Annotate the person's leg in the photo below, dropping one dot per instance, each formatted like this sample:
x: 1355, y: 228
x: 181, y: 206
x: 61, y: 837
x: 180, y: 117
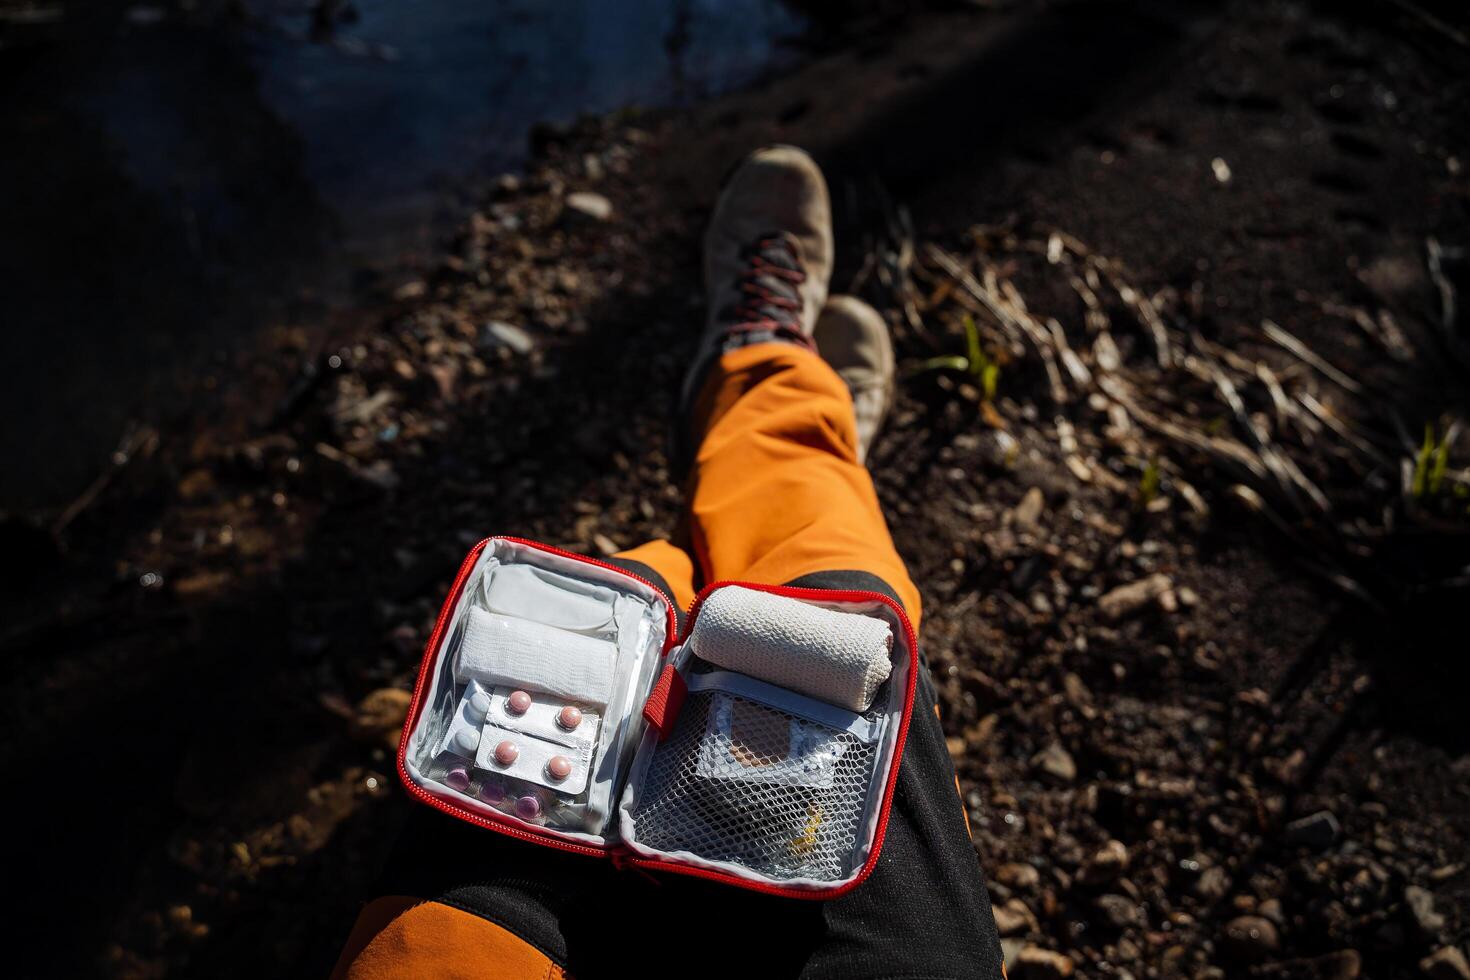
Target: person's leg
x: 664, y: 564
x: 779, y: 494
x: 777, y: 491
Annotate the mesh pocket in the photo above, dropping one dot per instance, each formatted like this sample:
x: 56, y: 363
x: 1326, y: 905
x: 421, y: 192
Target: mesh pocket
x: 747, y: 784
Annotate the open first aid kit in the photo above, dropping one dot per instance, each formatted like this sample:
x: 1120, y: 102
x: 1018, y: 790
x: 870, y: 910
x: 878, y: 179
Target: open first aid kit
x: 557, y: 703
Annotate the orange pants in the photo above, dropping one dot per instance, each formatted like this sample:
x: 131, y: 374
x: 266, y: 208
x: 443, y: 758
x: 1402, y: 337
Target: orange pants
x: 776, y: 493
x: 776, y: 490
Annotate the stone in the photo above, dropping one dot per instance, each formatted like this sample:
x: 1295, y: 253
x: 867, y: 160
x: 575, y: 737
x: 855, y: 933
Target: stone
x: 1213, y: 884
x: 1317, y: 831
x: 1345, y: 964
x: 1028, y: 511
x: 1035, y: 963
x: 379, y: 717
x: 1128, y: 599
x: 498, y: 334
x: 587, y: 206
x: 1250, y: 938
x: 1447, y: 963
x: 411, y: 290
x: 1120, y: 912
x: 1017, y: 875
x: 1056, y: 762
x: 1014, y: 917
x: 1421, y: 906
x: 1105, y: 864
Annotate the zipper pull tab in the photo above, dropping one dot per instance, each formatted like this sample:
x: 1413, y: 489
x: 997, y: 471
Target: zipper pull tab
x: 663, y: 704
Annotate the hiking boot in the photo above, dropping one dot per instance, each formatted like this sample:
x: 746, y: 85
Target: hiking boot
x: 767, y: 257
x: 853, y: 338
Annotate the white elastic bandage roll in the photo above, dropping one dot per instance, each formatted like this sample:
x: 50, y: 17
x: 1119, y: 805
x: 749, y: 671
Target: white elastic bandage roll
x: 500, y: 651
x: 838, y: 657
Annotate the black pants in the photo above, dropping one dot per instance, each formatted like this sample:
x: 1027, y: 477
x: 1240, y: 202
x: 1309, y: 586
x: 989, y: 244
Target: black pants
x: 924, y: 912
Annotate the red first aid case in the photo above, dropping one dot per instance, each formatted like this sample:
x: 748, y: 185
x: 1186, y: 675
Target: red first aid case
x: 558, y: 703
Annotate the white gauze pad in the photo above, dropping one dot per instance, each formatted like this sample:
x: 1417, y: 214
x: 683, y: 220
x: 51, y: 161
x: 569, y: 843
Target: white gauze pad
x: 500, y: 651
x: 837, y: 657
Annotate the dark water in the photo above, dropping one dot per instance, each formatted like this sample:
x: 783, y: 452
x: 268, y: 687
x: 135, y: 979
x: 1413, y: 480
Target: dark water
x: 174, y: 182
x: 413, y: 96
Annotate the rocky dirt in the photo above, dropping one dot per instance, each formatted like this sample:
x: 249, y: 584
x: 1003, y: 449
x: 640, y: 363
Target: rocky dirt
x: 1206, y: 723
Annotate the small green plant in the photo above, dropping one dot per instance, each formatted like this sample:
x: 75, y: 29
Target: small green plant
x: 1430, y: 464
x: 974, y: 362
x: 1148, y: 483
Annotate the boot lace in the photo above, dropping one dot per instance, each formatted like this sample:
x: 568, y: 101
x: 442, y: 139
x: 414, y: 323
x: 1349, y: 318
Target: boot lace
x: 768, y: 304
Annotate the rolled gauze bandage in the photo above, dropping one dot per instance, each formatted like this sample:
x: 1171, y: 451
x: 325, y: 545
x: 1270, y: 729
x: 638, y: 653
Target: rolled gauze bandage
x: 505, y: 651
x: 837, y: 657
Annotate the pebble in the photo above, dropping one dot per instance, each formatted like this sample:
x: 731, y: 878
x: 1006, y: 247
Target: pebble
x: 413, y: 289
x: 1035, y: 963
x: 1056, y: 762
x: 1128, y: 599
x: 1250, y: 938
x: 497, y: 334
x: 1105, y: 864
x: 587, y: 206
x: 1345, y: 964
x: 1421, y: 907
x: 1447, y: 963
x: 1120, y: 912
x: 1317, y: 830
x: 379, y: 716
x: 1028, y: 511
x: 1014, y: 917
x: 1022, y: 877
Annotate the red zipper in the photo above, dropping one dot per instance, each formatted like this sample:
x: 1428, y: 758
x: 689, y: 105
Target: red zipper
x: 415, y: 706
x: 823, y: 894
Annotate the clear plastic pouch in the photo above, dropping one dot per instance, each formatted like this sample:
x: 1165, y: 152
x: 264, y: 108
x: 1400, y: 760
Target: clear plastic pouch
x: 572, y: 634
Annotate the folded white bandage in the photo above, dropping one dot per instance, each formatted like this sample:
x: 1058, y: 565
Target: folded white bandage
x: 838, y: 657
x: 501, y: 651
